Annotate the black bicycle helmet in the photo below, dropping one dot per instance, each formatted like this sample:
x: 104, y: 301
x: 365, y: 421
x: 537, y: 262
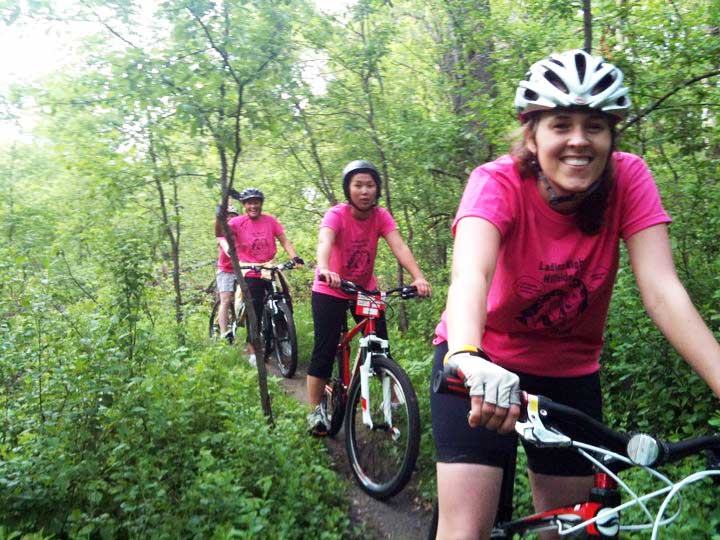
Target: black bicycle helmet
x: 360, y: 166
x: 251, y: 193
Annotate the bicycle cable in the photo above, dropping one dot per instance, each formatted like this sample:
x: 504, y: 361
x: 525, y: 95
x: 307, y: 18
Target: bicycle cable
x: 695, y: 477
x: 637, y: 500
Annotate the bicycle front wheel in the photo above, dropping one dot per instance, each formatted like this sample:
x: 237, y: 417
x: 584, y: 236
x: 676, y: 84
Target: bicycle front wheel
x: 383, y: 456
x: 284, y: 340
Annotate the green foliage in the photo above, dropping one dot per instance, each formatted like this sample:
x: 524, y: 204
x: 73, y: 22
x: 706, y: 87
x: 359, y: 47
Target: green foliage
x: 179, y: 450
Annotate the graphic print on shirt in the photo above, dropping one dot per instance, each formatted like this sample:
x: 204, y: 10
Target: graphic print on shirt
x: 559, y: 298
x: 359, y: 262
x: 259, y: 247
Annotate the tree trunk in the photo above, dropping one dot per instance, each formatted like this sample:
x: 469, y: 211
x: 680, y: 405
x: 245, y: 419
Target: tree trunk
x: 173, y: 236
x: 587, y: 26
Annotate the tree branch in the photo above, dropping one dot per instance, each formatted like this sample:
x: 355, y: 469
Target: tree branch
x: 672, y: 92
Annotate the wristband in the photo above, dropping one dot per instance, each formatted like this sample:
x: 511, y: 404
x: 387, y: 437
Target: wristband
x: 472, y: 350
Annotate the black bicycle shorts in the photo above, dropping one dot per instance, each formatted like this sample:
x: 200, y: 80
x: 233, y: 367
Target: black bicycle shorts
x: 457, y: 442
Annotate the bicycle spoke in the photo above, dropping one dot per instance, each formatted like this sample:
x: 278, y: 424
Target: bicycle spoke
x: 383, y: 455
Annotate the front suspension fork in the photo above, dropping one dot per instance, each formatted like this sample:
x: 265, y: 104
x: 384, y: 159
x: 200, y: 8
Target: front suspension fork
x: 365, y: 373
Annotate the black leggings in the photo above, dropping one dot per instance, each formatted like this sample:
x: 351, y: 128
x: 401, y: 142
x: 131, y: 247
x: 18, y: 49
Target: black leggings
x: 329, y: 312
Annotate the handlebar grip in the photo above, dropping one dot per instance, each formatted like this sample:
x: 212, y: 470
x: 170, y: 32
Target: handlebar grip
x: 409, y: 292
x: 444, y: 383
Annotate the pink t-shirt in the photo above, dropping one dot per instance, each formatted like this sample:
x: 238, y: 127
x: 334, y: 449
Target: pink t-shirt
x: 254, y: 240
x: 353, y: 253
x: 224, y: 263
x: 549, y: 297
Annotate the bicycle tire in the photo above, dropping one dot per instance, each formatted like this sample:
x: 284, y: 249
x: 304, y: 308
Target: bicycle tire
x: 214, y: 327
x: 285, y: 347
x: 334, y: 400
x: 382, y: 458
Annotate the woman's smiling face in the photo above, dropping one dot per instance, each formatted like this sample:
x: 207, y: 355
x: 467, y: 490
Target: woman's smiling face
x: 572, y: 148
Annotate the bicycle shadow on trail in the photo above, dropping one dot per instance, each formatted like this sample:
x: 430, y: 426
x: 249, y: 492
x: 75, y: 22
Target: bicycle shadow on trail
x: 398, y: 518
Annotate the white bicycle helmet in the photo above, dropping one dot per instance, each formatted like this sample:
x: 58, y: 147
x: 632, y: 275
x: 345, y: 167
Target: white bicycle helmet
x: 573, y: 79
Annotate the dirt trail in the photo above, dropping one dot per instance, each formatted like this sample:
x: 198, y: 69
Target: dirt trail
x: 400, y: 518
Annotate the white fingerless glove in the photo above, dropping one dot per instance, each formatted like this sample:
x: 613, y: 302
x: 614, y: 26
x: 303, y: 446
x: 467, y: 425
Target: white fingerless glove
x: 496, y: 385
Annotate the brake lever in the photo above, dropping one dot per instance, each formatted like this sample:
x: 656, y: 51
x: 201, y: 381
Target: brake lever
x: 534, y: 431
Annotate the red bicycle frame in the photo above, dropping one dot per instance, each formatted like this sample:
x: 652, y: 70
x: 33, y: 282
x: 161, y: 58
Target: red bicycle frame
x: 370, y: 308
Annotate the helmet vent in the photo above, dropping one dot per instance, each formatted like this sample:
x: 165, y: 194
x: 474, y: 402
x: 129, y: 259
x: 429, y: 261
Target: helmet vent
x: 530, y: 95
x: 581, y: 66
x: 555, y: 61
x: 603, y: 84
x: 556, y: 81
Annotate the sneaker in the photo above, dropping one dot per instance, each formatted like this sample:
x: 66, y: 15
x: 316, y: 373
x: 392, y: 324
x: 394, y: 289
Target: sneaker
x: 316, y: 423
x: 229, y: 336
x: 252, y: 360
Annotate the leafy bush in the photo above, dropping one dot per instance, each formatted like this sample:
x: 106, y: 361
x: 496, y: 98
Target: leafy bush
x: 180, y: 450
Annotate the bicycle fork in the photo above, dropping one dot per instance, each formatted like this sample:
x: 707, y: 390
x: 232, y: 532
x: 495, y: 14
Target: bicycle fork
x: 365, y: 372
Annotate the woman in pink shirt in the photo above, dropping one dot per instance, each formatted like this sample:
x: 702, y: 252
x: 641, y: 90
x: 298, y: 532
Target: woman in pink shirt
x: 535, y: 256
x: 347, y: 245
x: 254, y: 233
x: 225, y: 278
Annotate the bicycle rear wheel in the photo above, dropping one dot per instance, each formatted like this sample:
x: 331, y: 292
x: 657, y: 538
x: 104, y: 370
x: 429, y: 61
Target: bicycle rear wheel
x: 284, y: 340
x: 334, y: 400
x: 383, y: 457
x: 214, y: 326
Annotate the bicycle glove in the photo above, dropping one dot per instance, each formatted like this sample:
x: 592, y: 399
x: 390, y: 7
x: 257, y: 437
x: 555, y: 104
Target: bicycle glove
x: 495, y: 384
x: 298, y: 260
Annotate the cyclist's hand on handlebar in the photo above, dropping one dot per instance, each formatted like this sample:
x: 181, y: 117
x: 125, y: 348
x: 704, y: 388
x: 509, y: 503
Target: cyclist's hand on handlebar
x: 298, y: 261
x: 493, y: 417
x: 494, y: 391
x: 331, y: 278
x: 423, y: 287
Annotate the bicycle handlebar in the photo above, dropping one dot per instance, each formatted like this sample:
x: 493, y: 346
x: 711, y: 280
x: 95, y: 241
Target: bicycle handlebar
x: 544, y: 422
x: 258, y: 268
x: 348, y: 287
